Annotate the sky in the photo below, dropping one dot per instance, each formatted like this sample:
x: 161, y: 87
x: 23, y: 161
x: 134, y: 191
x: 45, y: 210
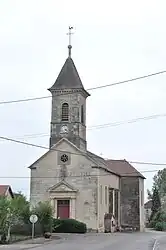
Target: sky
x: 112, y: 41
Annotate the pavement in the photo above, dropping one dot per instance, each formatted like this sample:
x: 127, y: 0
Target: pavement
x: 100, y: 241
x: 161, y: 244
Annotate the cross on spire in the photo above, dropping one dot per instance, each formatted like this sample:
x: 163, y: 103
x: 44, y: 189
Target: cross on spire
x: 69, y: 34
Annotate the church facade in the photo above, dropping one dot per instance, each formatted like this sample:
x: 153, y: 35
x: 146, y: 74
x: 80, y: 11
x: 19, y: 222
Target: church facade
x: 78, y: 183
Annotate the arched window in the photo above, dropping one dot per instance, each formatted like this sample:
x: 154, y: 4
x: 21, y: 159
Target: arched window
x: 65, y: 112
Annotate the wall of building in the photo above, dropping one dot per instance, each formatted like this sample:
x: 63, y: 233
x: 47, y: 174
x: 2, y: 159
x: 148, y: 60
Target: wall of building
x: 147, y: 214
x: 105, y: 181
x: 130, y: 201
x: 79, y: 167
x: 77, y: 130
x: 141, y: 204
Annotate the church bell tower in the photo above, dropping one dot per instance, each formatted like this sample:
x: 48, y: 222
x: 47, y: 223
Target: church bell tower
x: 68, y: 117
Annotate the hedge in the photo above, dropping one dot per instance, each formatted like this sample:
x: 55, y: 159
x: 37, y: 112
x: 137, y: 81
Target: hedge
x: 158, y: 221
x: 160, y: 226
x: 68, y: 226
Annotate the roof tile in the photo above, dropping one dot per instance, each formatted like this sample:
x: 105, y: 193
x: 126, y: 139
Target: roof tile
x: 123, y: 168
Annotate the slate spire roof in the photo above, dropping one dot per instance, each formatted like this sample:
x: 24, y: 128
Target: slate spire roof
x: 68, y: 77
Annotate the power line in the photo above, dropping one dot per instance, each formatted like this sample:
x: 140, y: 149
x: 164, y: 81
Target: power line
x: 100, y: 126
x: 64, y: 151
x: 90, y: 89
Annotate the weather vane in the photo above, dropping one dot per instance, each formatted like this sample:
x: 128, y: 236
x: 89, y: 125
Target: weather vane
x: 69, y: 34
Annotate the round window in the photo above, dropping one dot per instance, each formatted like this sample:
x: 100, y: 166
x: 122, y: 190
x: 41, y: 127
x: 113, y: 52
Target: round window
x: 64, y: 158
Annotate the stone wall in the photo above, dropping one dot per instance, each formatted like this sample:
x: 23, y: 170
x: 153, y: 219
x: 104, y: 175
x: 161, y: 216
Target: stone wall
x: 129, y: 200
x: 77, y: 130
x: 47, y: 174
x: 105, y: 181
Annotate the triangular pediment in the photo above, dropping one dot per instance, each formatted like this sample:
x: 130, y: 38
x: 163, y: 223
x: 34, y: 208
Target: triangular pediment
x: 62, y: 186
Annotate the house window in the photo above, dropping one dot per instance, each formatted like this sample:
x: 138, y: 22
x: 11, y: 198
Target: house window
x: 106, y: 195
x: 82, y: 114
x: 65, y: 112
x: 101, y: 194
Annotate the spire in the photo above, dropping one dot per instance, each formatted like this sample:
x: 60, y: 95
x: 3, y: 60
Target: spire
x: 68, y: 77
x: 69, y: 34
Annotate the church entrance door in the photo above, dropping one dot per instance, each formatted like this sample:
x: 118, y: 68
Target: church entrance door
x: 63, y: 209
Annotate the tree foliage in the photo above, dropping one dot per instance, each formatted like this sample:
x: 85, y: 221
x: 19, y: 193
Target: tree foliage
x: 20, y: 207
x: 13, y: 211
x: 4, y: 209
x: 15, y: 214
x: 156, y: 203
x: 159, y: 182
x: 44, y: 212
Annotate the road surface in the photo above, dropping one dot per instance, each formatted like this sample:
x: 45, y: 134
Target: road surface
x: 118, y: 241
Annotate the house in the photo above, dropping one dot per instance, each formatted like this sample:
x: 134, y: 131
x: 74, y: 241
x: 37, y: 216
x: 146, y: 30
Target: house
x: 78, y: 183
x: 147, y: 210
x: 6, y: 191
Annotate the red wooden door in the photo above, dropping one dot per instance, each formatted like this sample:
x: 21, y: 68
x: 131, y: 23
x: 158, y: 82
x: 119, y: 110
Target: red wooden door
x: 63, y: 209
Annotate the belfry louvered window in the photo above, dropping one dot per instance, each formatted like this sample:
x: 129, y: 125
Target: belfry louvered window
x: 65, y: 112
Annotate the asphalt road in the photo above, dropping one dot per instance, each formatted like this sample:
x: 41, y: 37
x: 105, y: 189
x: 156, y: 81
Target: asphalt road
x: 119, y: 241
x: 161, y: 244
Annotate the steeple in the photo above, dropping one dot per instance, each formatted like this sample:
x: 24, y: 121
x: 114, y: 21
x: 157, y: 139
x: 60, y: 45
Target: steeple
x: 68, y: 77
x: 68, y: 117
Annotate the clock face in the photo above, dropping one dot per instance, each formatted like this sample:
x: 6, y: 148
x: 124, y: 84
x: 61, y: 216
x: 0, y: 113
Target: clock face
x: 64, y: 129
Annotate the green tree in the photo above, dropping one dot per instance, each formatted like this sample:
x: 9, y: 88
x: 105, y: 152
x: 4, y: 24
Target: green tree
x: 156, y: 204
x: 159, y: 182
x: 149, y: 194
x: 20, y: 207
x: 44, y: 212
x: 13, y: 212
x: 4, y: 206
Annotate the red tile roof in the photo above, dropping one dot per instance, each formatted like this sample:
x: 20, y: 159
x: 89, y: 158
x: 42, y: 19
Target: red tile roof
x: 3, y: 190
x: 123, y: 168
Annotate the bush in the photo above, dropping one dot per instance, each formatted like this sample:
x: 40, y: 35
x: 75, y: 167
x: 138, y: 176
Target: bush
x: 160, y: 226
x: 151, y: 224
x: 68, y: 226
x: 158, y: 221
x: 26, y: 229
x: 2, y: 237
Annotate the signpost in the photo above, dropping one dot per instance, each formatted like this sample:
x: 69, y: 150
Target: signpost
x: 33, y: 219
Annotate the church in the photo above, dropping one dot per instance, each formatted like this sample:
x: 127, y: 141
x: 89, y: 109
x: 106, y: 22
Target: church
x: 78, y: 183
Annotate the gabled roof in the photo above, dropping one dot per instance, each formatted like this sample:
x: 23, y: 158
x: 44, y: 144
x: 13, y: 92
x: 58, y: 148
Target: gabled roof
x: 54, y: 148
x: 97, y: 160
x: 4, y: 189
x: 68, y: 77
x: 123, y: 168
x: 100, y: 163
